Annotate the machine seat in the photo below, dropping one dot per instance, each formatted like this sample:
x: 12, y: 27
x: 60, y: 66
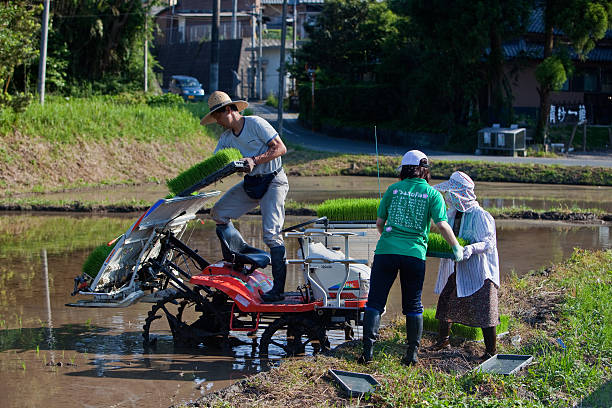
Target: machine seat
x: 237, y: 251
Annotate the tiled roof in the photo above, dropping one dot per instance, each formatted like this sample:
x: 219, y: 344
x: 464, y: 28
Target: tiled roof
x: 536, y: 51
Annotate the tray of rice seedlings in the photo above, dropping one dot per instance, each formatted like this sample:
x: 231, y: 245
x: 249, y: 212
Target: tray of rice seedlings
x: 221, y: 164
x: 95, y: 260
x: 430, y: 323
x: 362, y: 210
x: 438, y: 247
x: 349, y: 209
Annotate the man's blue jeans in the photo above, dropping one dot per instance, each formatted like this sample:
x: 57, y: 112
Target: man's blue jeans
x: 384, y: 272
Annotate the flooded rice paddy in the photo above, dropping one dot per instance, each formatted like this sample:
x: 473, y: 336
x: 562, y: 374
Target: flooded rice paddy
x: 56, y: 356
x: 318, y: 189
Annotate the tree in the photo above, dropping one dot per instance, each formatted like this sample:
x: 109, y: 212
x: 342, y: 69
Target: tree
x: 450, y: 39
x: 18, y: 44
x: 98, y: 41
x: 346, y: 42
x: 582, y: 22
x: 506, y: 20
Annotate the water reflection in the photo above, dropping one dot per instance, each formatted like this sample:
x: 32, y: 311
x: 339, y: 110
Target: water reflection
x: 101, y: 350
x: 318, y: 189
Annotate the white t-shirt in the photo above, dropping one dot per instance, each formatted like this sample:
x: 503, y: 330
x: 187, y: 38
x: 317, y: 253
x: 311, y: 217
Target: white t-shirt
x: 252, y: 141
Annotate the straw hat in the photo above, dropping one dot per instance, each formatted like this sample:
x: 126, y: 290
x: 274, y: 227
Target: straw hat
x: 216, y: 101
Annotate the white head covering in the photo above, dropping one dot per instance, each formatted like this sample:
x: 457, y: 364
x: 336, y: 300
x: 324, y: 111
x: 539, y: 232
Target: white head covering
x: 460, y: 191
x: 413, y: 158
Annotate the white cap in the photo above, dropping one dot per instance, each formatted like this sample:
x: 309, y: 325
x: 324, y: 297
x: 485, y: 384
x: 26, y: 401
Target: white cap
x: 413, y: 158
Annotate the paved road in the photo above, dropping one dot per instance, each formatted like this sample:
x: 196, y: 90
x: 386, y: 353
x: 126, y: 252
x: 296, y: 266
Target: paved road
x: 294, y: 133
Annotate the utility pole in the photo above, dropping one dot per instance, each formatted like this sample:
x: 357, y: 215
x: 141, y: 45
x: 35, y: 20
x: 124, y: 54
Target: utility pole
x: 259, y: 73
x: 214, y: 48
x: 42, y: 63
x: 234, y: 21
x: 294, y: 39
x: 281, y: 77
x: 146, y: 53
x: 252, y: 76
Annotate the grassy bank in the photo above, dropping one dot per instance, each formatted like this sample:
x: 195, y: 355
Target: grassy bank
x: 305, y: 163
x: 71, y: 143
x: 99, y: 140
x: 568, y: 301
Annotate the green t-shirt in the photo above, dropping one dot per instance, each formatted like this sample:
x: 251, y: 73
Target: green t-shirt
x: 408, y: 208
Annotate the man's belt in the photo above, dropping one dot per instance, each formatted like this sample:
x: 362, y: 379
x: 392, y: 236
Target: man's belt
x: 275, y: 172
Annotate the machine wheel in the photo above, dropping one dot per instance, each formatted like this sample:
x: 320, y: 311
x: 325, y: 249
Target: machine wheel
x: 292, y: 335
x: 188, y: 321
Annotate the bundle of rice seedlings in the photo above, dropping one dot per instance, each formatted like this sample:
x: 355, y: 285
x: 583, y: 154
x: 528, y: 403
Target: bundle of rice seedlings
x: 96, y: 259
x: 430, y: 323
x: 437, y: 245
x: 349, y: 209
x: 203, y: 169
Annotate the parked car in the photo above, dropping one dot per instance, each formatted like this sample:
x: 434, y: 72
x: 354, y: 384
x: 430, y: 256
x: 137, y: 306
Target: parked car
x: 188, y: 87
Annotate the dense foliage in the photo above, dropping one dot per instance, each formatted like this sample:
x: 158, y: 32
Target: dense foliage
x: 416, y: 63
x: 18, y: 40
x: 93, y: 47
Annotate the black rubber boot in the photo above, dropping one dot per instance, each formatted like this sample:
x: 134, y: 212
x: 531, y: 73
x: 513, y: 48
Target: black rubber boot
x: 443, y: 342
x: 414, y: 331
x: 279, y: 274
x: 490, y: 341
x: 371, y: 323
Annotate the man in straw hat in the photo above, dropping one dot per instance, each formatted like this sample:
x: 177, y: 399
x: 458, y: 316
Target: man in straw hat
x: 265, y: 184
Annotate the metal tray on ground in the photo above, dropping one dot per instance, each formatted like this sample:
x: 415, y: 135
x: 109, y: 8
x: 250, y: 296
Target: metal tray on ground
x: 505, y: 363
x: 354, y: 384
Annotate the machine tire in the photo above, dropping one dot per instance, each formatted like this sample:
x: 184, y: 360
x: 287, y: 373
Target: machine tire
x: 190, y: 321
x: 299, y: 332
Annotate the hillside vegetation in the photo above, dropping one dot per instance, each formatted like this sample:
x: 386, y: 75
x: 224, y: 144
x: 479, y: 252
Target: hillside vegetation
x: 72, y: 142
x: 133, y: 138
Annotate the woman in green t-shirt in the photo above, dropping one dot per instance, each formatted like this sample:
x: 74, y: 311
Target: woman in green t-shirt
x: 404, y: 216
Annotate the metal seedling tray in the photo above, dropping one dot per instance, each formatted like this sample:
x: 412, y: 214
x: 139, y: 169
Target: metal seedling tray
x: 505, y: 363
x: 354, y: 384
x: 438, y: 254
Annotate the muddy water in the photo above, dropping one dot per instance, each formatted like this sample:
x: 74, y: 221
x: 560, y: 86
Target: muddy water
x: 57, y: 356
x: 318, y: 189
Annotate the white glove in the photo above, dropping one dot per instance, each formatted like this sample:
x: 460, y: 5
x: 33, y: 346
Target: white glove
x: 458, y: 252
x: 467, y: 252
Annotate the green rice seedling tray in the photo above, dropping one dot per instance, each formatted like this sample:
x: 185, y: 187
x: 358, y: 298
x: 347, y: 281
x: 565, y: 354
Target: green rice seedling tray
x: 231, y: 168
x: 430, y: 323
x: 354, y: 384
x: 96, y: 259
x: 505, y: 364
x: 348, y: 209
x: 437, y: 254
x: 202, y: 170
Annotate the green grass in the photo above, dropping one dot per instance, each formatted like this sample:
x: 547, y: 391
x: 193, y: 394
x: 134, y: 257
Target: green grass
x: 430, y: 323
x: 578, y: 375
x: 103, y: 118
x: 308, y: 163
x: 197, y: 172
